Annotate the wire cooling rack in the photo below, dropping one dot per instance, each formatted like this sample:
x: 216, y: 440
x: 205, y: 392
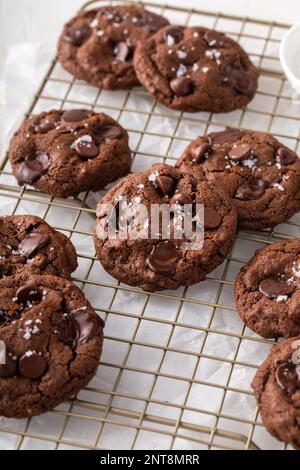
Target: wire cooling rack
x: 177, y: 366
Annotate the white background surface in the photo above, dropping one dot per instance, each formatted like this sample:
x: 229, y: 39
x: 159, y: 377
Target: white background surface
x: 29, y: 30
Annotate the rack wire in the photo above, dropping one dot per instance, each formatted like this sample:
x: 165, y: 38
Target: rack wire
x: 177, y: 366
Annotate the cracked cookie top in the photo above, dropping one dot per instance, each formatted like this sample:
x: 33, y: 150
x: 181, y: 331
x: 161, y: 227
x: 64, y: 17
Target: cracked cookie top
x: 195, y: 69
x: 51, y: 340
x: 267, y: 290
x: 277, y: 391
x: 261, y: 175
x: 66, y: 152
x: 153, y: 262
x: 98, y: 45
x: 28, y: 244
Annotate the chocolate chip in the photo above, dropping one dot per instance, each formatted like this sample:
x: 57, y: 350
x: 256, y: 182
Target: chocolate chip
x: 32, y: 243
x: 182, y: 86
x: 251, y: 190
x: 3, y: 316
x: 32, y: 365
x: 163, y: 258
x: 286, y: 156
x: 123, y: 51
x: 274, y: 286
x: 228, y: 136
x: 77, y: 36
x: 28, y: 294
x: 165, y: 184
x: 239, y: 80
x: 45, y: 126
x: 199, y: 152
x: 33, y: 168
x: 173, y: 32
x: 239, y: 152
x: 86, y: 148
x: 215, y: 39
x: 288, y: 376
x: 8, y: 369
x: 29, y: 171
x: 154, y: 23
x: 211, y: 218
x: 88, y: 326
x: 5, y: 270
x: 108, y: 133
x: 181, y: 199
x: 74, y: 115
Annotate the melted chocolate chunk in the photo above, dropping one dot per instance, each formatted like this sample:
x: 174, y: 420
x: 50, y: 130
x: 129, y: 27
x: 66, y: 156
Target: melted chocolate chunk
x: 32, y: 365
x: 288, y: 376
x: 108, y: 133
x: 181, y: 199
x: 77, y: 36
x: 5, y: 271
x: 8, y: 369
x: 212, y: 219
x: 88, y: 326
x: 239, y: 80
x: 215, y: 39
x: 3, y: 316
x: 163, y: 258
x: 173, y: 32
x: 33, y: 168
x: 239, y: 152
x: 165, y: 184
x: 86, y: 149
x: 274, y: 286
x: 28, y: 294
x: 182, y: 86
x: 286, y: 156
x: 228, y: 136
x: 74, y: 115
x: 252, y: 190
x: 200, y: 152
x: 32, y: 243
x: 45, y: 126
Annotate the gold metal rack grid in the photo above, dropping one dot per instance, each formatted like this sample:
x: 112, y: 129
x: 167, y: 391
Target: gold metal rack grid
x: 177, y: 366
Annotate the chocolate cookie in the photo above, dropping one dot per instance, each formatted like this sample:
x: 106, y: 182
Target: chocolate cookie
x: 277, y: 391
x: 260, y: 174
x: 152, y: 261
x: 66, y: 152
x: 52, y: 339
x: 195, y: 69
x: 97, y: 45
x: 267, y: 290
x: 29, y: 244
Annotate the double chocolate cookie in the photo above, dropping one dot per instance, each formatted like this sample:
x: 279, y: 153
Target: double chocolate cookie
x: 98, y: 45
x: 51, y: 341
x: 66, y: 152
x: 28, y: 244
x: 277, y: 391
x: 267, y: 290
x: 195, y: 69
x: 261, y: 175
x: 140, y: 255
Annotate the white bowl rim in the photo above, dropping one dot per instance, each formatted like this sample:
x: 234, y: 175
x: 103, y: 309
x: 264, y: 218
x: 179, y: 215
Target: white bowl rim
x: 282, y: 55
